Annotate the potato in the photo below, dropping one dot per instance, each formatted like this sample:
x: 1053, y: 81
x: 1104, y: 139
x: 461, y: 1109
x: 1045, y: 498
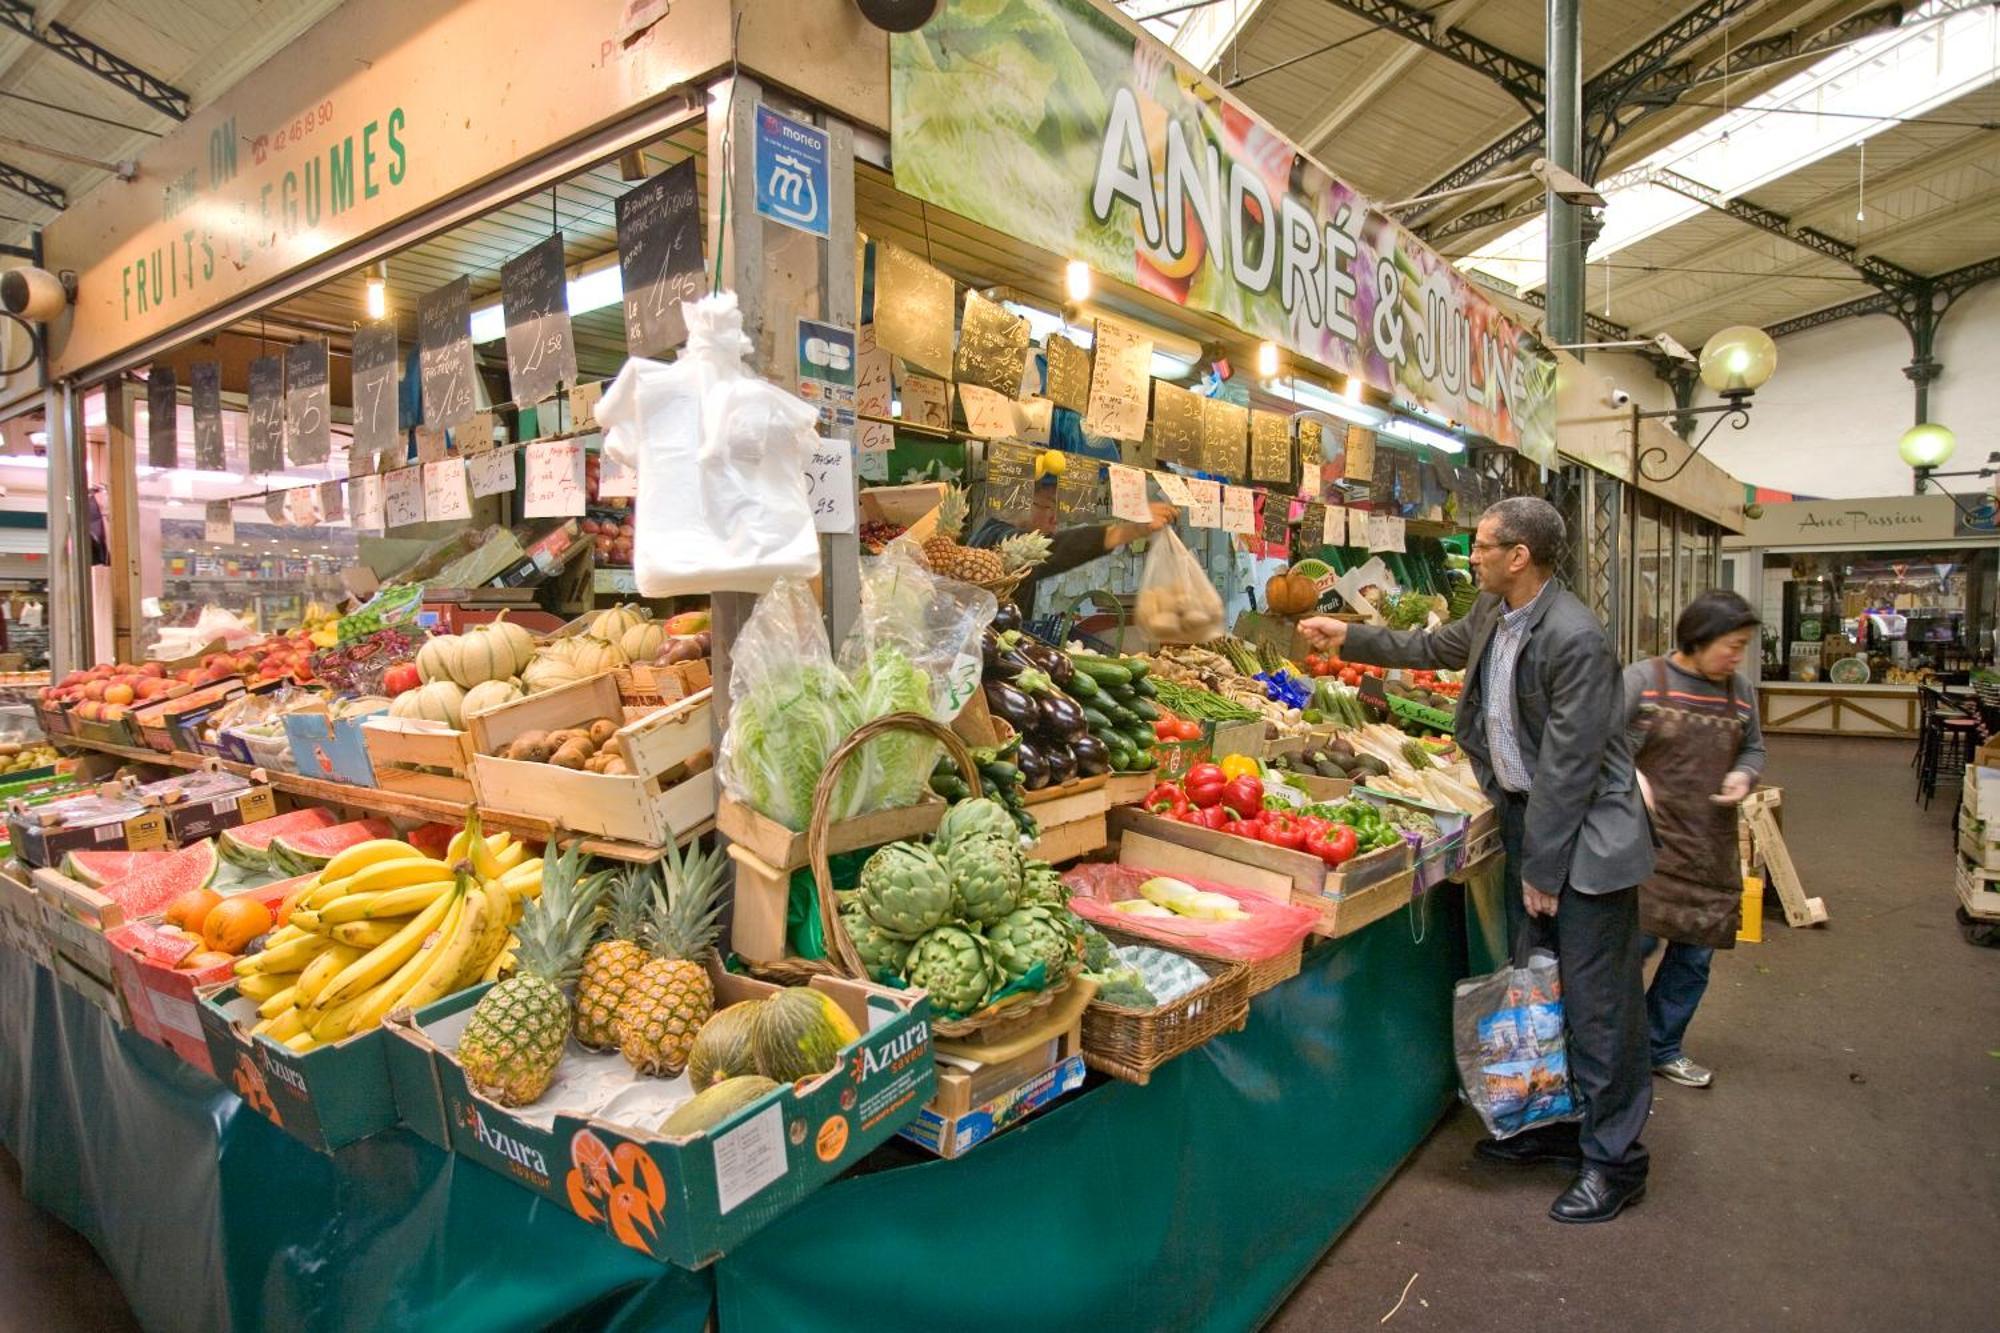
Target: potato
x: 532, y: 748
x: 614, y: 764
x: 572, y: 755
x: 602, y: 730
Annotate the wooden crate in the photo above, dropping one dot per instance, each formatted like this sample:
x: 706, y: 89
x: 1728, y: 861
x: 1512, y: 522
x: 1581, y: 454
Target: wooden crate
x: 75, y: 918
x: 1298, y: 872
x: 420, y: 758
x: 21, y: 915
x: 669, y: 791
x: 645, y: 685
x: 1129, y: 788
x: 1065, y: 842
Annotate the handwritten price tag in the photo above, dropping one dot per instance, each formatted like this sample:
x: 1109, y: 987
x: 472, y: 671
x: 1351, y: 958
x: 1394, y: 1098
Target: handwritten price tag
x: 830, y: 486
x: 1334, y: 532
x: 444, y: 490
x: 583, y: 405
x: 555, y: 480
x: 1309, y: 480
x: 218, y: 523
x: 1239, y: 510
x: 1175, y: 488
x: 492, y: 474
x: 431, y: 444
x: 403, y: 497
x: 302, y: 506
x: 1204, y: 503
x: 1385, y: 532
x: 364, y: 502
x: 1128, y: 494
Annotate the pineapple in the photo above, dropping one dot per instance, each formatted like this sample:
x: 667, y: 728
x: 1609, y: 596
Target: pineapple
x: 945, y: 556
x: 1024, y: 551
x: 613, y: 961
x: 669, y: 998
x: 514, y: 1039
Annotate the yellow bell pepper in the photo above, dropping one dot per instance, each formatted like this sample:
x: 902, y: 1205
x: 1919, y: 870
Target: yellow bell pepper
x: 1240, y: 766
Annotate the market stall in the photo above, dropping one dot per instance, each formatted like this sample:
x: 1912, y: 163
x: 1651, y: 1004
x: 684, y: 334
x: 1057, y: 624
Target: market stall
x: 472, y: 783
x: 1864, y: 603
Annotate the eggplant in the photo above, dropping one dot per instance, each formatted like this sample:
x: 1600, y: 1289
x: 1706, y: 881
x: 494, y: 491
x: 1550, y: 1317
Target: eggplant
x: 1093, y: 756
x: 1007, y: 617
x: 1062, y: 764
x: 1056, y: 662
x: 1011, y: 706
x: 1061, y: 716
x: 1034, y: 767
x: 1000, y: 662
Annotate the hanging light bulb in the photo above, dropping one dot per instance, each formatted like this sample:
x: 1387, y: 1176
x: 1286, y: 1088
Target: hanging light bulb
x: 1076, y: 281
x: 378, y: 291
x: 1267, y: 360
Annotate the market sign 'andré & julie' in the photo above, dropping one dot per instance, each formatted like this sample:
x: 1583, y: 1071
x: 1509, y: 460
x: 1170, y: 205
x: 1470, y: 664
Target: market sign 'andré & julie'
x: 1050, y: 121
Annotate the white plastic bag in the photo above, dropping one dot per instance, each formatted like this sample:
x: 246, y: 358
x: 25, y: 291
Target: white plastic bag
x: 1177, y: 603
x: 721, y: 458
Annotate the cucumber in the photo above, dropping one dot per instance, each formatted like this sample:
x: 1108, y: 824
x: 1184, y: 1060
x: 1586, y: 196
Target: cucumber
x: 1144, y: 688
x: 1132, y: 735
x: 1096, y: 718
x: 1137, y: 668
x: 1081, y: 686
x: 952, y: 789
x: 1124, y: 694
x: 1123, y: 756
x: 1146, y: 710
x: 999, y: 775
x: 1103, y: 669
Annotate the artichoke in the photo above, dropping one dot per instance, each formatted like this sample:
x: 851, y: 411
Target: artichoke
x: 1042, y: 887
x: 904, y: 890
x: 985, y: 875
x: 881, y: 953
x: 973, y: 818
x: 956, y: 967
x: 1031, y: 935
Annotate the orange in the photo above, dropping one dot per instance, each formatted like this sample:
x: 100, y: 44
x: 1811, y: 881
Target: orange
x: 190, y: 909
x: 233, y: 923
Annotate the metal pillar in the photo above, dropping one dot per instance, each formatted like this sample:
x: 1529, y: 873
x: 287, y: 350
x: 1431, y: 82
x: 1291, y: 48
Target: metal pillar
x: 1564, y: 138
x: 69, y: 533
x: 1924, y: 366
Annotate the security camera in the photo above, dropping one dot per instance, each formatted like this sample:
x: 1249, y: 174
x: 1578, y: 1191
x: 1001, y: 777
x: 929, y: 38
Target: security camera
x: 1616, y: 396
x: 898, y: 15
x: 35, y: 293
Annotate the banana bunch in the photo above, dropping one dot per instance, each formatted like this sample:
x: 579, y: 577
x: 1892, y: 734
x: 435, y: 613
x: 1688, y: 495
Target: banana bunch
x: 383, y: 927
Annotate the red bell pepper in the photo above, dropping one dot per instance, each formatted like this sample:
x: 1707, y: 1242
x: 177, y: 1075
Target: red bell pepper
x: 1284, y: 831
x: 1244, y: 828
x: 1335, y: 846
x: 1166, y: 799
x: 1210, y: 817
x: 1204, y: 785
x: 1244, y: 795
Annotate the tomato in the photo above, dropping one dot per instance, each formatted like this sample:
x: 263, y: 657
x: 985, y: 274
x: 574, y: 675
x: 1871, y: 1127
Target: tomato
x: 1186, y: 730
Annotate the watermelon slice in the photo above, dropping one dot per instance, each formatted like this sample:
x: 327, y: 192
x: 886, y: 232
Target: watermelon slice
x: 248, y: 845
x: 96, y: 869
x: 151, y: 887
x: 304, y: 852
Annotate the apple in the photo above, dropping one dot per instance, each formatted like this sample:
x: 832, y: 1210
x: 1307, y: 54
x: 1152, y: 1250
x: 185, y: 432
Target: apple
x: 120, y: 693
x: 155, y: 669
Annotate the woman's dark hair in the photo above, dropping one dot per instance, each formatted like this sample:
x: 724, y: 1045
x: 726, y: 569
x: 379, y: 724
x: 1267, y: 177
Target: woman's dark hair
x: 1710, y: 616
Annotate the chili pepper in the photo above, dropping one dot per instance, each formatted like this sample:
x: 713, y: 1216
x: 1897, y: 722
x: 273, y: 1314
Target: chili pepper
x: 1240, y: 766
x: 1243, y: 795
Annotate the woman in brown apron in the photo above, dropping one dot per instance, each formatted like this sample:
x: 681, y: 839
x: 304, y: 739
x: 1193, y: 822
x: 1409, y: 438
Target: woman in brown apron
x: 1699, y: 752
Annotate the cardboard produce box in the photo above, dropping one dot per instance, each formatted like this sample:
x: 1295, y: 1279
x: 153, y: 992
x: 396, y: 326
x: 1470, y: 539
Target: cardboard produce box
x: 108, y: 818
x: 326, y: 1098
x: 974, y: 1104
x: 203, y: 803
x: 690, y: 1200
x: 330, y: 748
x: 667, y: 791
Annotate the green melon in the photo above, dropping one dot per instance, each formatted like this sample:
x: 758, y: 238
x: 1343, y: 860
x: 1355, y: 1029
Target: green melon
x: 305, y: 852
x: 96, y: 869
x: 722, y: 1048
x: 249, y: 845
x: 705, y: 1110
x: 799, y: 1033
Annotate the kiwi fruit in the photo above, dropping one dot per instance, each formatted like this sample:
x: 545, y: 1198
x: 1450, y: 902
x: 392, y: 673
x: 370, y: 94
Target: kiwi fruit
x: 531, y: 747
x: 614, y: 764
x: 574, y: 754
x: 558, y: 739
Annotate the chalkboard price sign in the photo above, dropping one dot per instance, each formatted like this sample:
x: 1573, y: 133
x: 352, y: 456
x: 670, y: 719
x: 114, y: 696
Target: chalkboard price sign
x: 308, y: 432
x: 1010, y: 481
x: 1079, y: 497
x: 1276, y: 531
x: 444, y: 353
x: 206, y: 381
x: 163, y: 443
x: 376, y: 432
x: 266, y: 434
x: 659, y: 258
x: 541, y: 352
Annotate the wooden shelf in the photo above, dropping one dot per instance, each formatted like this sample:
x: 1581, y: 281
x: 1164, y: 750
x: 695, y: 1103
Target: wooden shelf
x: 376, y: 801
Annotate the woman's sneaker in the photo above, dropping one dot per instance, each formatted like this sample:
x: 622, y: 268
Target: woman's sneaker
x: 1685, y: 1072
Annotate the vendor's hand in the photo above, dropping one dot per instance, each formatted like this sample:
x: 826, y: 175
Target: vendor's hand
x: 1645, y: 791
x: 1537, y: 902
x: 1325, y: 632
x: 1124, y: 534
x: 1735, y: 787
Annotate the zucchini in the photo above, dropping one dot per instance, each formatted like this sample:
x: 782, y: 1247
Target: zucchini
x: 1000, y: 775
x: 951, y: 788
x: 1103, y: 669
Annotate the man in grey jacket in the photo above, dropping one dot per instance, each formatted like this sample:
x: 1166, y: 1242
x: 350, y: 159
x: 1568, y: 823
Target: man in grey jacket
x: 1542, y: 717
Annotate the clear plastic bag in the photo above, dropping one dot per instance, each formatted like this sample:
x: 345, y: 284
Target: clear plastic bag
x: 1177, y: 602
x: 789, y: 706
x: 1273, y: 926
x: 1513, y: 1058
x: 914, y: 648
x: 721, y: 458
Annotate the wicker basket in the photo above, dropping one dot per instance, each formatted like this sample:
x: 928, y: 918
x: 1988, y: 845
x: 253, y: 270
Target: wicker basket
x: 1129, y: 1044
x: 1271, y: 971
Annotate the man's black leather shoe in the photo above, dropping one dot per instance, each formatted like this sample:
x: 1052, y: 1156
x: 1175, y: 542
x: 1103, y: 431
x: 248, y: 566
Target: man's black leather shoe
x: 1530, y: 1150
x: 1595, y: 1196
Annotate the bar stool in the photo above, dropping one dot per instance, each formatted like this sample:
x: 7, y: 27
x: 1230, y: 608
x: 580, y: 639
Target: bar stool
x: 1948, y: 746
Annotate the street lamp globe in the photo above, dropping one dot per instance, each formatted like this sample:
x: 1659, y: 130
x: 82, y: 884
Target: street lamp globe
x: 1738, y: 360
x: 1928, y: 445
